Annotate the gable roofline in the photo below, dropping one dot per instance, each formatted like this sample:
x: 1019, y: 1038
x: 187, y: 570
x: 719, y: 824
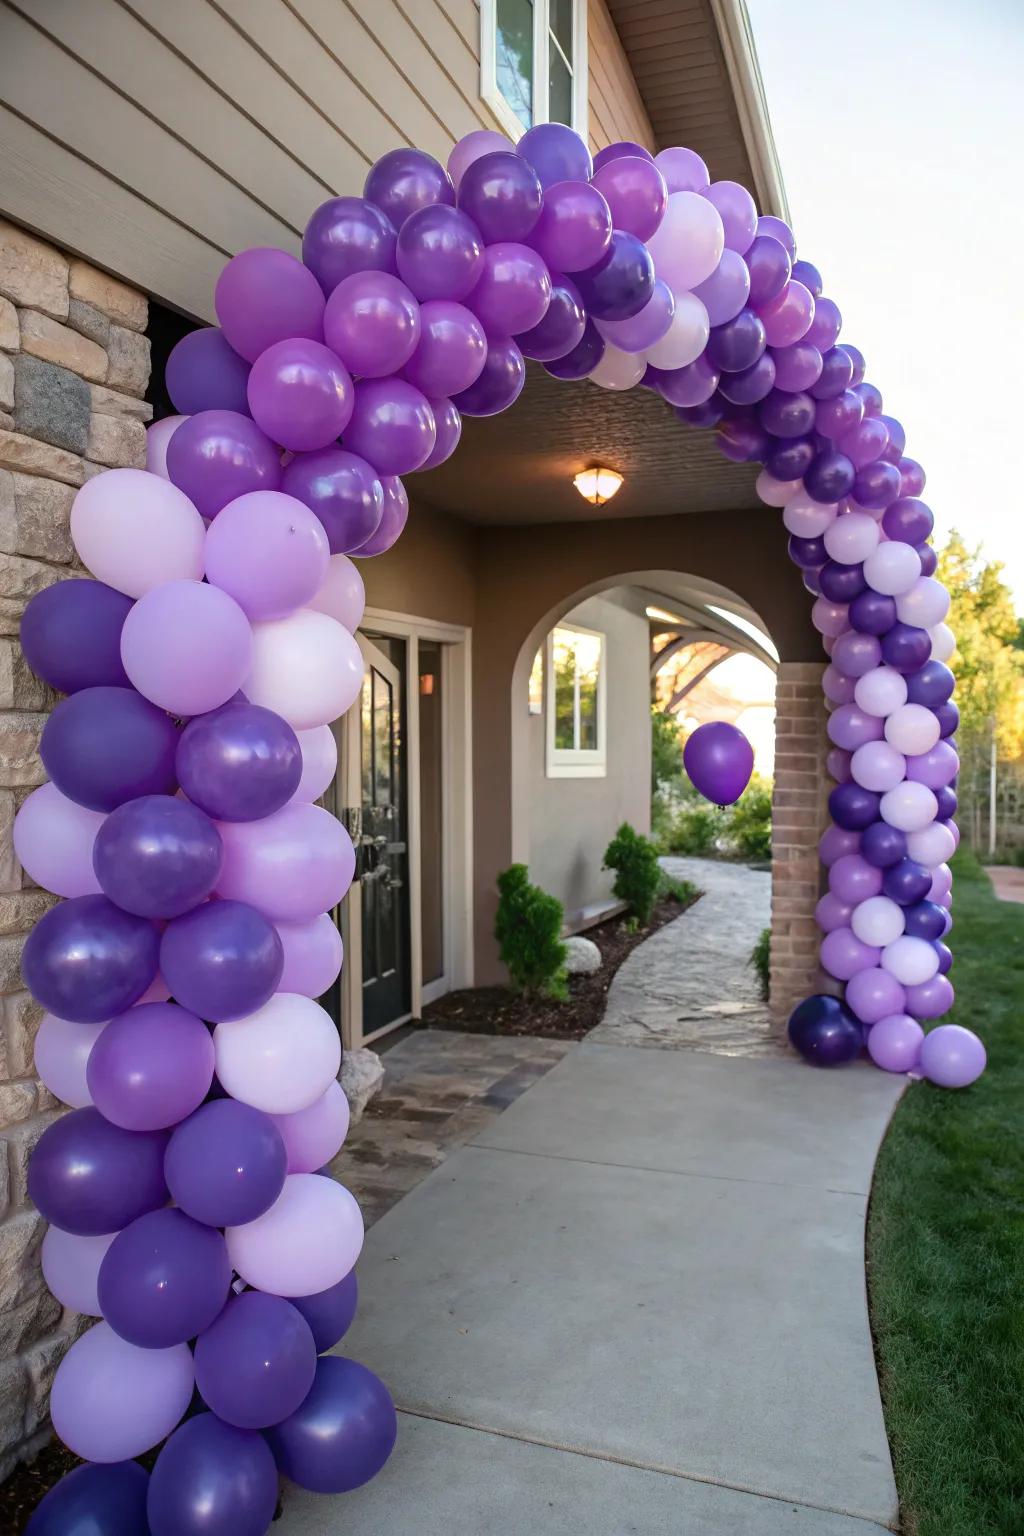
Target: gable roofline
x: 736, y: 35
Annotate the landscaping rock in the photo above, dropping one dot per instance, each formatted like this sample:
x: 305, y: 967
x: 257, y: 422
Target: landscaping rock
x: 582, y: 956
x: 362, y: 1073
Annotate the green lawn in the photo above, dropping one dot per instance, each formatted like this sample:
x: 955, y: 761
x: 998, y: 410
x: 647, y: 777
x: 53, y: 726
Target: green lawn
x: 946, y: 1252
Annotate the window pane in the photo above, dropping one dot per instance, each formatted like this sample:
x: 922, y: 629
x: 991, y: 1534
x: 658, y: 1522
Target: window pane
x: 537, y: 683
x: 514, y: 63
x: 588, y: 665
x: 561, y: 24
x: 563, y: 654
x: 559, y: 87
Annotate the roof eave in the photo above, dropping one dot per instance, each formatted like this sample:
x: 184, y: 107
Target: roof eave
x: 737, y: 39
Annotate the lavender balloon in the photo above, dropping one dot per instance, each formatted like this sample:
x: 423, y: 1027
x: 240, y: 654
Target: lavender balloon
x: 727, y: 290
x: 952, y: 1057
x: 269, y: 552
x: 894, y: 1043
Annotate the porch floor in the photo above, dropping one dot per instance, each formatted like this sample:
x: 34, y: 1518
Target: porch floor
x: 633, y: 1304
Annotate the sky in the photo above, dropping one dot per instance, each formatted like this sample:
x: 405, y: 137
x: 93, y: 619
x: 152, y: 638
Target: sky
x: 900, y: 131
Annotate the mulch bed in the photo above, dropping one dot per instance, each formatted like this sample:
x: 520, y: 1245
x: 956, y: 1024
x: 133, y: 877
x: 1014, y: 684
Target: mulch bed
x: 499, y: 1011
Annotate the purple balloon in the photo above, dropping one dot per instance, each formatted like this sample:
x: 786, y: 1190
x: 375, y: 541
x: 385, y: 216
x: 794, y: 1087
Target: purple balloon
x: 876, y: 486
x: 163, y: 1279
x: 692, y: 385
x: 843, y: 954
x: 618, y: 285
x: 222, y: 960
x: 797, y: 366
x: 829, y: 477
x: 827, y: 323
x: 86, y: 960
x: 635, y: 191
x: 514, y: 289
x: 857, y: 362
x: 256, y: 1362
x: 907, y: 882
x: 344, y: 1431
x: 947, y: 802
x: 856, y: 654
x: 929, y: 559
x: 841, y: 583
x: 157, y: 856
x: 727, y: 290
x: 500, y: 383
x: 837, y: 843
x: 789, y: 459
x: 105, y: 745
x: 330, y: 1313
x: 108, y: 1498
x: 937, y: 768
x: 451, y: 350
x: 621, y: 148
x: 951, y: 1056
x: 719, y: 760
x: 872, y: 613
x: 906, y: 647
x: 448, y: 424
x: 909, y: 520
x: 769, y: 267
x: 850, y: 727
x: 838, y: 415
x: 265, y: 295
x: 883, y: 845
x: 862, y: 442
x: 931, y: 999
x: 648, y: 326
x: 943, y: 951
x: 738, y: 344
x: 582, y: 360
x: 393, y: 519
x: 372, y: 323
x: 204, y: 373
x: 439, y: 253
x: 71, y: 635
x: 836, y: 373
x: 226, y: 1164
x: 212, y: 1479
x: 346, y: 235
x: 872, y: 397
x: 217, y: 456
x: 852, y: 807
x: 154, y: 1068
x: 300, y: 394
x: 392, y: 426
x: 811, y: 554
x: 874, y: 994
x: 807, y: 273
x: 742, y: 440
x: 503, y: 196
x: 556, y: 153
x: 343, y: 490
x: 575, y: 227
x: 832, y: 913
x: 925, y: 920
x: 562, y: 326
x: 821, y: 1029
x: 912, y: 477
x: 948, y: 716
x: 738, y: 213
x: 785, y: 414
x: 707, y: 415
x: 239, y: 763
x: 932, y: 684
x: 895, y: 1043
x: 406, y: 180
x: 753, y: 384
x: 90, y: 1177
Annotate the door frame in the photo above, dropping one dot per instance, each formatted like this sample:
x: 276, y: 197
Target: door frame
x: 457, y: 804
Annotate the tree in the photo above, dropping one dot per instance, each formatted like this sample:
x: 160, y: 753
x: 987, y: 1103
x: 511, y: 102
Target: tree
x: 989, y: 661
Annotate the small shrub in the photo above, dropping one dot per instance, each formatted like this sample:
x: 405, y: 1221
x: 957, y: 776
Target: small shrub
x: 694, y: 828
x: 528, y: 929
x: 677, y: 890
x: 760, y: 959
x: 666, y: 749
x: 634, y: 859
x: 749, y: 823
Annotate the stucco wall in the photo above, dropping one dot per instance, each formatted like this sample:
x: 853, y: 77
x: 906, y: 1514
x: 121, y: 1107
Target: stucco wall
x: 572, y: 820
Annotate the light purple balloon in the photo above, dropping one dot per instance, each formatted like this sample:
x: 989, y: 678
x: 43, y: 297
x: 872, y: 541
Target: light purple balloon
x: 829, y: 618
x: 837, y: 687
x: 53, y: 838
x: 849, y: 727
x: 683, y: 170
x: 451, y: 352
x: 157, y: 438
x: 797, y: 367
x: 689, y: 386
x: 313, y: 1136
x: 936, y: 768
x: 843, y: 955
x: 894, y: 1043
x: 319, y: 749
x: 112, y: 1401
x: 837, y: 764
x: 473, y: 146
x: 313, y: 955
x: 187, y: 647
x: 856, y: 653
x: 874, y: 994
x: 269, y: 552
x: 300, y: 394
x: 826, y: 325
x: 644, y: 329
x: 151, y: 1067
x: 727, y: 290
x: 853, y: 879
x: 930, y: 999
x: 265, y: 295
x: 71, y: 1265
x: 392, y: 425
x: 636, y: 193
x: 513, y: 290
x: 952, y: 1057
x: 372, y: 323
x: 838, y: 843
x: 291, y: 866
x: 738, y: 211
x: 831, y: 913
x: 61, y: 1056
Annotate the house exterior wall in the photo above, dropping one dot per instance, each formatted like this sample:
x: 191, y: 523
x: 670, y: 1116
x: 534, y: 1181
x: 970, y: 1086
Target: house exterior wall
x: 74, y: 364
x: 572, y: 820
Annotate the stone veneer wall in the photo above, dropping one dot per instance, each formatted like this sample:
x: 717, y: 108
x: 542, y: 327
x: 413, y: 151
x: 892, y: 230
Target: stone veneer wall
x: 74, y: 366
x: 799, y: 813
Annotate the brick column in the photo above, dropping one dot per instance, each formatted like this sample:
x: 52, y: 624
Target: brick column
x: 799, y: 813
x: 74, y: 365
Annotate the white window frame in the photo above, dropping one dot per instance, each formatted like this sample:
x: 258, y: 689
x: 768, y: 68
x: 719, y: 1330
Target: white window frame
x: 489, y: 90
x: 577, y: 762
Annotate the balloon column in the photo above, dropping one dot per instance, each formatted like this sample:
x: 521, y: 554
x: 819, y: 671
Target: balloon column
x: 204, y: 665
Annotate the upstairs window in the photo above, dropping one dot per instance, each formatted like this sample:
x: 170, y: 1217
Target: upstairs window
x: 576, y: 704
x: 533, y: 62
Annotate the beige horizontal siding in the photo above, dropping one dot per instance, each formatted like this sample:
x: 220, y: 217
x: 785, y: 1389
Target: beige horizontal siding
x: 616, y: 108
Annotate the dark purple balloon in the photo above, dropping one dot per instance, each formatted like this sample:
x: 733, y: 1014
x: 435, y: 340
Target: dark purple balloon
x: 620, y: 150
x: 212, y: 1479
x: 693, y: 384
x: 807, y: 273
x: 809, y: 553
x: 907, y: 882
x: 842, y: 583
x: 876, y: 485
x: 948, y: 716
x: 824, y: 1033
x: 748, y: 387
x: 222, y: 960
x: 872, y: 397
x: 829, y: 477
x: 439, y: 253
x: 583, y: 358
x: 330, y: 1313
x: 839, y: 414
x: 883, y: 845
x: 217, y: 456
x: 346, y: 235
x: 946, y: 799
x: 86, y: 960
x: 90, y: 1177
x: 204, y: 373
x: 852, y: 807
x: 226, y: 1164
x: 826, y: 325
x: 239, y: 763
x: 836, y: 374
x: 256, y: 1361
x: 163, y: 1279
x: 157, y: 856
x: 770, y: 269
x: 405, y: 180
x: 500, y: 383
x: 933, y: 684
x: 105, y: 745
x: 872, y: 613
x: 448, y: 435
x: 563, y: 325
x: 893, y: 450
x: 342, y: 1434
x: 945, y: 955
x: 619, y: 285
x: 719, y: 760
x: 908, y: 519
x: 906, y: 647
x: 928, y: 558
x: 742, y: 440
x: 812, y: 582
x: 924, y: 920
x: 857, y: 361
x: 787, y: 415
x: 97, y: 1499
x: 912, y: 477
x: 503, y: 196
x: 342, y: 489
x: 556, y: 153
x: 707, y: 415
x: 738, y: 344
x: 71, y: 635
x: 797, y: 366
x: 789, y: 458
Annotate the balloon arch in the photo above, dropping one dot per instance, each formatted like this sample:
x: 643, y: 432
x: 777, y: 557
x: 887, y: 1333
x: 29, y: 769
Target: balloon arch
x: 204, y: 665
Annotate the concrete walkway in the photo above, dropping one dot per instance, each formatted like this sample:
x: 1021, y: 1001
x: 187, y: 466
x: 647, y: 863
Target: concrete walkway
x: 1007, y: 881
x: 633, y: 1305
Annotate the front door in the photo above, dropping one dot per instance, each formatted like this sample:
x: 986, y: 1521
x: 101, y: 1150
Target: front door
x: 382, y: 863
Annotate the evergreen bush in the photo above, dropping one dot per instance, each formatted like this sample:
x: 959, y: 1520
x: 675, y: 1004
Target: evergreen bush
x: 528, y: 929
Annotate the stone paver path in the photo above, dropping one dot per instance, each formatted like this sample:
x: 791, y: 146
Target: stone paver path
x: 691, y: 985
x: 1007, y: 881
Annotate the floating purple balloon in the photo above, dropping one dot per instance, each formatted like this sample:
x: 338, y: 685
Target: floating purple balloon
x: 925, y: 920
x: 222, y: 960
x: 343, y: 1432
x: 346, y: 235
x: 343, y: 490
x: 908, y: 519
x: 719, y: 760
x: 212, y: 1479
x: 556, y: 153
x: 86, y: 960
x: 330, y: 1313
x: 256, y: 1362
x: 621, y: 282
x: 811, y: 554
x: 932, y: 684
x: 71, y: 635
x: 502, y: 194
x: 405, y: 180
x: 105, y: 745
x: 90, y: 1177
x: 157, y: 856
x: 439, y: 253
x: 392, y: 426
x: 265, y: 295
x: 575, y: 227
x: 824, y: 1033
x: 204, y: 373
x: 500, y: 383
x: 164, y: 1279
x: 226, y: 1164
x: 841, y: 583
x: 807, y: 273
x: 875, y: 487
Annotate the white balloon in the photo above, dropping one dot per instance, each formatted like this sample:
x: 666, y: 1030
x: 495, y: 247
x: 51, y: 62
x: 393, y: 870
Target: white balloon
x: 135, y: 531
x: 688, y: 244
x: 880, y: 691
x: 851, y: 538
x: 776, y: 493
x: 909, y: 807
x: 306, y: 668
x: 925, y: 604
x: 307, y: 1241
x: 342, y: 595
x: 911, y: 960
x: 877, y: 921
x: 943, y: 642
x: 807, y: 518
x: 932, y: 846
x: 282, y: 1057
x: 62, y: 1052
x: 319, y: 762
x: 157, y: 438
x: 878, y: 766
x: 71, y: 1266
x: 686, y: 337
x: 618, y: 369
x: 892, y: 568
x: 912, y: 729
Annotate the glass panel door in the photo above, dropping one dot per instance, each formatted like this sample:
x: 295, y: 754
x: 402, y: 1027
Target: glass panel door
x: 382, y: 850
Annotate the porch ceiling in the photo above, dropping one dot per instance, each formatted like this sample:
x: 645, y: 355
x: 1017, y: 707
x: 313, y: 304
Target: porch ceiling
x: 518, y: 467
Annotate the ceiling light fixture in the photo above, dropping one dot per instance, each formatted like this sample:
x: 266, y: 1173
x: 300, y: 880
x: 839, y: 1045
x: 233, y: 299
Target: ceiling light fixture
x: 597, y: 485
